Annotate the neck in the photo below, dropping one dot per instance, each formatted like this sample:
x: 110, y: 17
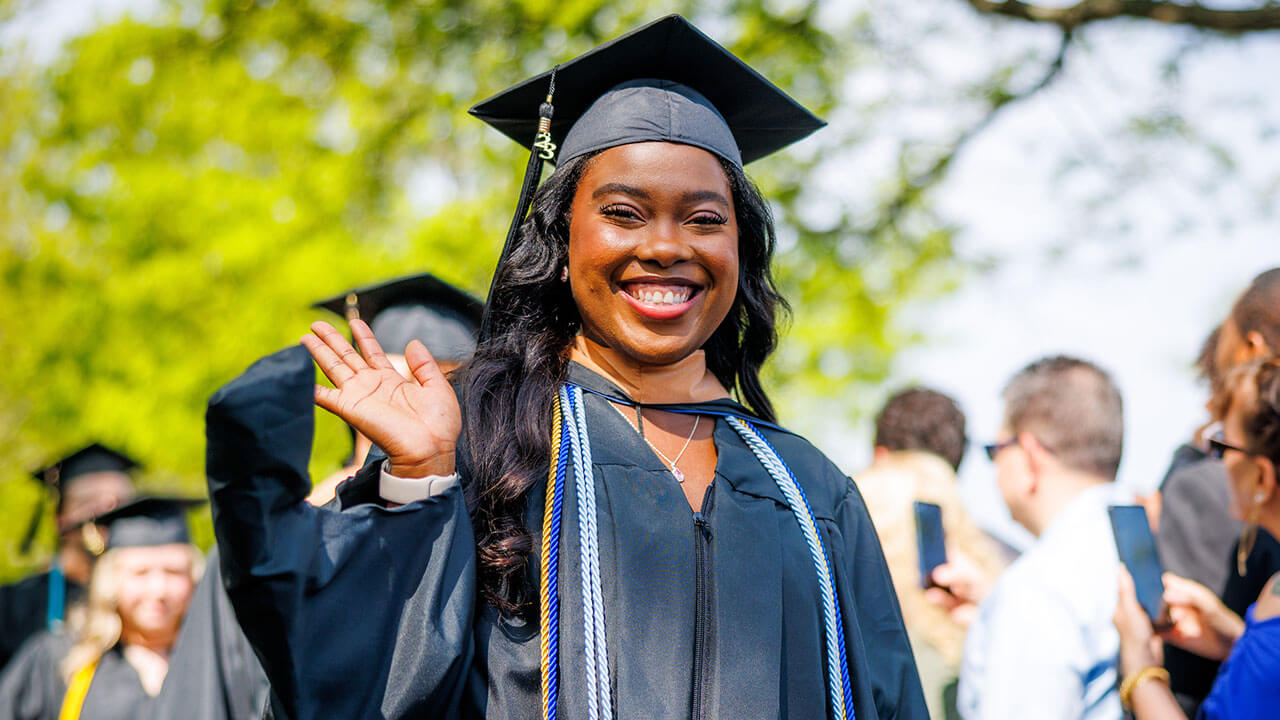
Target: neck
x: 1055, y: 493
x: 157, y: 642
x: 686, y: 380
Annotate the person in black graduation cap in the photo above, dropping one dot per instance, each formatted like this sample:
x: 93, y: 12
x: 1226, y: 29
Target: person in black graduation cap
x: 597, y: 529
x: 419, y: 307
x: 85, y: 483
x: 115, y: 661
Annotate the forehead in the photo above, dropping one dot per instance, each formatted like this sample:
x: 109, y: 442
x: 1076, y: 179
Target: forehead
x: 91, y: 486
x: 661, y: 165
x: 132, y: 558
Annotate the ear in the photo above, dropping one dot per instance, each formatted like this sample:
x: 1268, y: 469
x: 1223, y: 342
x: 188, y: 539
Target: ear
x: 1266, y: 482
x: 879, y: 453
x: 1256, y: 345
x: 1038, y: 458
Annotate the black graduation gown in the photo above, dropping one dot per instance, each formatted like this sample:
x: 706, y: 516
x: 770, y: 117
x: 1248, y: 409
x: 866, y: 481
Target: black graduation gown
x: 213, y: 674
x: 371, y: 612
x: 32, y: 687
x: 24, y: 610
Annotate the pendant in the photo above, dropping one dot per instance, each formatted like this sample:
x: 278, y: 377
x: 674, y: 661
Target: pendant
x: 679, y: 475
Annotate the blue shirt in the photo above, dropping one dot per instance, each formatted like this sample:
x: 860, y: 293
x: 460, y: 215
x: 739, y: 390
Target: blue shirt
x: 1248, y: 685
x: 1043, y: 644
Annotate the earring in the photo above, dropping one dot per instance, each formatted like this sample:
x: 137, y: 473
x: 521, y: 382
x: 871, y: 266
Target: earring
x: 564, y: 273
x: 1247, y: 538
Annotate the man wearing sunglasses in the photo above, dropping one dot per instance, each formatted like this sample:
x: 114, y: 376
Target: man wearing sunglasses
x: 1042, y: 643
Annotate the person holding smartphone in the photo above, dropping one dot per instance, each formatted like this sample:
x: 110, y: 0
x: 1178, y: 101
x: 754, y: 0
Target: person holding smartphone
x: 1041, y: 643
x: 1249, y: 448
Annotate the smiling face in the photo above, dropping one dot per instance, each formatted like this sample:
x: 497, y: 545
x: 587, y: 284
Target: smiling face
x: 653, y: 250
x: 155, y: 588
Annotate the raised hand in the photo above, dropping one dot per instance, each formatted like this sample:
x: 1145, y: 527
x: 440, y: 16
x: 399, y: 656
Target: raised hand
x: 414, y: 420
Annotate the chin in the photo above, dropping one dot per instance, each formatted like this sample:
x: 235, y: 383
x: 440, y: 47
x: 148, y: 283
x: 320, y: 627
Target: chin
x: 657, y: 350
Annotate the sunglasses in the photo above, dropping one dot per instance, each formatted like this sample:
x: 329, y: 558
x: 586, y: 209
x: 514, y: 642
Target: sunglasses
x: 1218, y: 446
x: 994, y: 449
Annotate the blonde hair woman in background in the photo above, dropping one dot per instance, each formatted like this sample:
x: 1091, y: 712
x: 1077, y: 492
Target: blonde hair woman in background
x: 112, y: 664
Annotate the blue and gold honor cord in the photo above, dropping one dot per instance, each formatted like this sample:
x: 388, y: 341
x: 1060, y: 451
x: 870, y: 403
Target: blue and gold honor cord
x: 569, y: 437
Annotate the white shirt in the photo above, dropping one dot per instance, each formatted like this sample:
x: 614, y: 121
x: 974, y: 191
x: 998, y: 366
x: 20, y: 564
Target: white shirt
x: 1043, y: 644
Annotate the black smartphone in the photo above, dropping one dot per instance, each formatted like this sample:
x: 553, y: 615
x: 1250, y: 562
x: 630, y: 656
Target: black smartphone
x: 1137, y: 548
x: 930, y: 541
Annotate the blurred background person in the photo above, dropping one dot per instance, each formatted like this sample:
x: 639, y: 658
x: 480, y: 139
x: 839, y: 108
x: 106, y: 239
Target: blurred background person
x: 919, y: 444
x: 86, y: 483
x: 1042, y: 644
x: 1197, y: 535
x: 417, y: 307
x: 112, y: 664
x: 1246, y: 686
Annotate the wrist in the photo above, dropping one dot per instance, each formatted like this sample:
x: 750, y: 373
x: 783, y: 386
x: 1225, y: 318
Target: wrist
x: 440, y: 464
x: 1133, y: 682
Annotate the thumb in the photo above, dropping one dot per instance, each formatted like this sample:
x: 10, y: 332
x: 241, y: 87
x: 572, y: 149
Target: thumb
x: 422, y: 366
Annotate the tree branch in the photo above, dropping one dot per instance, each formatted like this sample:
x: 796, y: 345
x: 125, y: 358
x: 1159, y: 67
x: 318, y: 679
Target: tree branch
x: 1264, y: 17
x: 911, y: 189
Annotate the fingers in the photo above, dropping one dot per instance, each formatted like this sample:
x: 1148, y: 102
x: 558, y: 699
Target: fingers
x: 422, y: 366
x: 327, y: 398
x: 1181, y: 591
x: 335, y: 356
x: 1125, y: 582
x: 368, y: 344
x: 941, y: 598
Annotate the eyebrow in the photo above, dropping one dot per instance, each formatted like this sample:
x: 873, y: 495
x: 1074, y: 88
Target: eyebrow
x: 693, y: 196
x: 608, y: 188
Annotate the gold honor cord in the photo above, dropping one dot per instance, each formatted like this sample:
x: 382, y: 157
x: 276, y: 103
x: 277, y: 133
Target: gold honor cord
x: 77, y: 690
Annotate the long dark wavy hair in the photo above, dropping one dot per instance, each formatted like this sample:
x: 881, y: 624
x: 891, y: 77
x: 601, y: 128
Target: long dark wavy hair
x: 508, y: 388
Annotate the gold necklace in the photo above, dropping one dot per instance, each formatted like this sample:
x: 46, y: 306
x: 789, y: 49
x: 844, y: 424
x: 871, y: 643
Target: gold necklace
x: 675, y: 471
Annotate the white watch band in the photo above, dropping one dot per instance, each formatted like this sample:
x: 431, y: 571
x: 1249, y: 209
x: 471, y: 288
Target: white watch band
x: 406, y: 490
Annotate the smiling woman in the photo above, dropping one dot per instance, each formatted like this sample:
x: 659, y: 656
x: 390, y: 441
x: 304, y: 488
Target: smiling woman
x: 591, y: 526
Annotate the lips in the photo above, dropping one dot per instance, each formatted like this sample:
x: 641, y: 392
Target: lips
x: 660, y: 300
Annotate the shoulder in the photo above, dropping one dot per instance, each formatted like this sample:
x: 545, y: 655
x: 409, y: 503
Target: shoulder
x: 825, y: 485
x: 1268, y: 605
x: 40, y: 654
x: 30, y: 583
x: 21, y: 596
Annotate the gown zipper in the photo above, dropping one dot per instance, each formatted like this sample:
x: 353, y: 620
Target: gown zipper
x: 704, y: 611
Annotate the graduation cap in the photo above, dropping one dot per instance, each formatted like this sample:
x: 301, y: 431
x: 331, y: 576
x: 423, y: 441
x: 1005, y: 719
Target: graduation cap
x: 666, y: 81
x: 421, y: 307
x: 61, y: 474
x: 148, y: 521
x: 94, y: 458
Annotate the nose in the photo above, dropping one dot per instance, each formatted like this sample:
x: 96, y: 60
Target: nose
x: 663, y: 245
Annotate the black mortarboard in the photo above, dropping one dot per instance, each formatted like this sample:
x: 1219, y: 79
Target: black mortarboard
x: 58, y: 475
x: 719, y: 92
x: 421, y: 307
x: 92, y: 459
x: 666, y: 81
x: 148, y: 521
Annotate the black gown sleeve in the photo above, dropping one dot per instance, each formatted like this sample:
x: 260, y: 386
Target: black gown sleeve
x: 882, y: 667
x: 363, y: 613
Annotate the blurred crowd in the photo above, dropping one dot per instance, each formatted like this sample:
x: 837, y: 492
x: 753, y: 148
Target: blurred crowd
x: 131, y: 621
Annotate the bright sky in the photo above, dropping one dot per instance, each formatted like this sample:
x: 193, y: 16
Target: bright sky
x: 1145, y: 274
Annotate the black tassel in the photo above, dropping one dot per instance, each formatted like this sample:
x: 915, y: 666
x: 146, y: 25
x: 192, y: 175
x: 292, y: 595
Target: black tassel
x: 29, y: 537
x: 542, y: 150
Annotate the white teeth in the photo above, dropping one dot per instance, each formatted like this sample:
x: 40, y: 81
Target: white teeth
x: 662, y: 296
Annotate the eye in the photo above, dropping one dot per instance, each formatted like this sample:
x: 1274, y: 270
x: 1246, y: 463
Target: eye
x: 709, y: 218
x: 620, y: 211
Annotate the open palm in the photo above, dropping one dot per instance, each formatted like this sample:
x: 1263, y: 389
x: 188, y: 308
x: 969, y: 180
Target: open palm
x: 415, y: 420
